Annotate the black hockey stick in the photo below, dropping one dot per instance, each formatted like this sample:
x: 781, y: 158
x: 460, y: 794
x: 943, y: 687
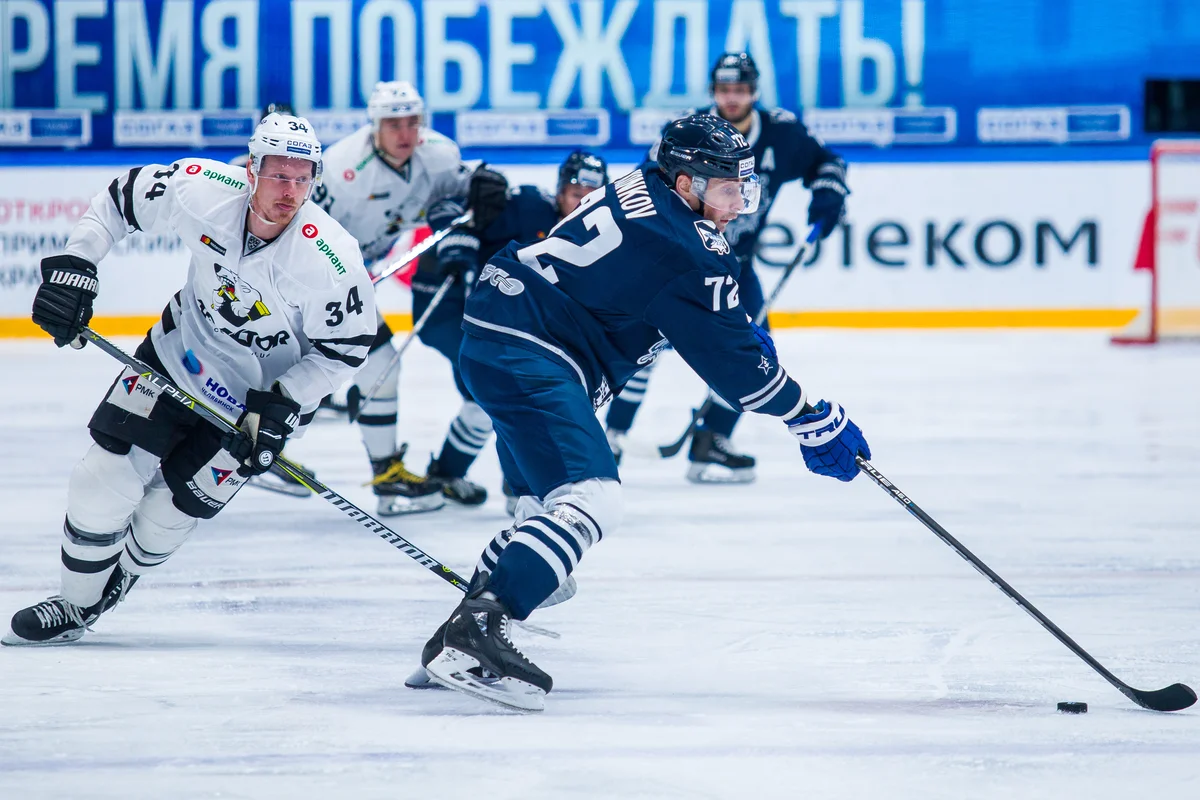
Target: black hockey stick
x: 1173, y: 698
x: 284, y: 467
x: 671, y: 450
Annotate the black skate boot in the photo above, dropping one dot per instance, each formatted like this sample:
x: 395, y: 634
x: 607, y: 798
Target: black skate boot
x: 460, y: 490
x: 478, y: 658
x: 714, y: 462
x: 400, y: 491
x: 56, y: 621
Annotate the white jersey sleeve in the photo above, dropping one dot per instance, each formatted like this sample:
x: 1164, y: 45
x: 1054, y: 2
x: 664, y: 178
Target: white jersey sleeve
x: 142, y: 199
x: 327, y: 282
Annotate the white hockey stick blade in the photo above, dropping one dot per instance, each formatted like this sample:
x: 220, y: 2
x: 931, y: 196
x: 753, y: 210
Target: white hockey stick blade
x: 451, y: 668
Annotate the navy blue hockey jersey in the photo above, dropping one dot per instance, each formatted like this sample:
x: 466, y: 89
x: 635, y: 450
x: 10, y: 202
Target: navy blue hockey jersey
x: 630, y: 269
x: 784, y: 151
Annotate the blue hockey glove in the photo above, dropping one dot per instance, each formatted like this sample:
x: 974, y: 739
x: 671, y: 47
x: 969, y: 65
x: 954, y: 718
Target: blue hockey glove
x: 829, y: 441
x: 828, y: 204
x: 459, y: 251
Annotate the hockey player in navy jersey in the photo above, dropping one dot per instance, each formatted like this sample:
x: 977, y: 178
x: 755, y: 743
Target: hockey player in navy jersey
x: 529, y: 215
x: 784, y: 151
x: 554, y: 327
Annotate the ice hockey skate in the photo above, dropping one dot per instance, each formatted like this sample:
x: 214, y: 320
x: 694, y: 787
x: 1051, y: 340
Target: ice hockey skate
x: 477, y: 657
x: 401, y: 491
x: 713, y: 460
x: 57, y: 621
x: 460, y: 490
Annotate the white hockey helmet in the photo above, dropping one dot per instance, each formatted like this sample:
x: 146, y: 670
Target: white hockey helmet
x: 394, y: 99
x: 288, y: 136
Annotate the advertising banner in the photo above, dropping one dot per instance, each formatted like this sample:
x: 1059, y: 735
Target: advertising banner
x: 921, y: 242
x: 880, y: 72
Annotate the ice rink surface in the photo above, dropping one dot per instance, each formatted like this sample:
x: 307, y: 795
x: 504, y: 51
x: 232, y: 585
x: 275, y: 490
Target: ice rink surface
x: 796, y: 637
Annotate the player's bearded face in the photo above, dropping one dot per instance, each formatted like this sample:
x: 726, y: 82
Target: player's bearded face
x: 734, y: 100
x: 281, y: 187
x: 397, y: 137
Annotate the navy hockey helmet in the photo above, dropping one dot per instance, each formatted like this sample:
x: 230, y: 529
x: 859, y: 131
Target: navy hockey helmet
x: 583, y: 169
x: 734, y: 68
x: 703, y: 147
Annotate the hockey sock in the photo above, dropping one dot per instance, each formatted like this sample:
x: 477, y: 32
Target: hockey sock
x: 87, y: 561
x: 721, y: 419
x: 625, y: 405
x: 468, y: 433
x: 377, y: 419
x: 157, y: 531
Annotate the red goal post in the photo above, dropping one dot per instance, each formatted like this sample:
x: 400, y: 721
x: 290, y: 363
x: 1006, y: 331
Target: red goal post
x: 1170, y: 247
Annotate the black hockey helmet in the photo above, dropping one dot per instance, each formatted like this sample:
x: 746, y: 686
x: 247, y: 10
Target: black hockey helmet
x: 704, y: 146
x: 734, y: 68
x: 278, y: 108
x: 583, y: 169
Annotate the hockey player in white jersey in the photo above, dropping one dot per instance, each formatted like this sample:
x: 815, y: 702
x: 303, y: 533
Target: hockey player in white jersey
x: 379, y: 182
x: 276, y: 313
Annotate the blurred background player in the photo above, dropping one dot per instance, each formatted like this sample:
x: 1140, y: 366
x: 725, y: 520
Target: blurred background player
x: 784, y: 151
x: 641, y: 260
x: 381, y: 180
x: 266, y: 325
x: 529, y: 214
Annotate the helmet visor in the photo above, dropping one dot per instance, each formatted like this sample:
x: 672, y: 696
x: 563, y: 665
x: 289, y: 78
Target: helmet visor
x: 728, y: 195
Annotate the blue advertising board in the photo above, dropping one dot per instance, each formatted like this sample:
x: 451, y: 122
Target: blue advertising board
x: 101, y: 73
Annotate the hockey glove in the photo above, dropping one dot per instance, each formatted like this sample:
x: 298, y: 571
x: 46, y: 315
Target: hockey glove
x: 765, y: 342
x: 828, y: 204
x: 63, y: 304
x: 269, y: 419
x: 459, y: 251
x: 829, y: 441
x: 487, y: 196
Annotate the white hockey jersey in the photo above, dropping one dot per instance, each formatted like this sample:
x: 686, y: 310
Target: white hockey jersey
x: 376, y: 202
x: 299, y: 309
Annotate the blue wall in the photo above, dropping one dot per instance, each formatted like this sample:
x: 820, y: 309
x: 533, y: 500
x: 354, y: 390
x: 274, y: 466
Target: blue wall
x: 853, y: 57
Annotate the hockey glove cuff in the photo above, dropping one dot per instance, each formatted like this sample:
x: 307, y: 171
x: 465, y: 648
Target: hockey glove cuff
x: 829, y: 441
x: 269, y: 419
x: 765, y: 342
x: 63, y: 303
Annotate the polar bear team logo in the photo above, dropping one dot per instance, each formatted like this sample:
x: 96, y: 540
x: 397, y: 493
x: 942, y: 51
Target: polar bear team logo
x: 237, y: 301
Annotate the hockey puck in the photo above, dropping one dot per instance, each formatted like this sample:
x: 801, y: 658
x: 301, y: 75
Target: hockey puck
x: 1073, y: 708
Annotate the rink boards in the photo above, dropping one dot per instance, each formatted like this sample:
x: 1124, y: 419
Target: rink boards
x: 971, y: 245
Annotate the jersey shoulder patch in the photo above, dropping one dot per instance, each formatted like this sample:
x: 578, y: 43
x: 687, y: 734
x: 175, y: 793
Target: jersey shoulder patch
x: 320, y: 252
x: 781, y: 115
x: 204, y: 172
x: 711, y: 238
x: 349, y: 156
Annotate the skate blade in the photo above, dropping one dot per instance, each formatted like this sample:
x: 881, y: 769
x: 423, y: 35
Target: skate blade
x: 10, y: 639
x: 398, y: 505
x: 420, y: 680
x: 718, y: 473
x: 274, y: 484
x: 450, y: 669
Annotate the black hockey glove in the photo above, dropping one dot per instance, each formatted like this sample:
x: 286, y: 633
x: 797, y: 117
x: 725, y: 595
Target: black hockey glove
x: 269, y: 419
x: 829, y: 192
x: 63, y: 304
x: 487, y: 196
x: 459, y: 251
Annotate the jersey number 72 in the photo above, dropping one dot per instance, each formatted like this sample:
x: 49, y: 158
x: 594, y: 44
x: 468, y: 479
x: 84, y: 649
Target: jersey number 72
x: 608, y: 238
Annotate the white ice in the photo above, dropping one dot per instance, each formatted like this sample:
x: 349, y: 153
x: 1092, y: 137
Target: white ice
x: 793, y: 638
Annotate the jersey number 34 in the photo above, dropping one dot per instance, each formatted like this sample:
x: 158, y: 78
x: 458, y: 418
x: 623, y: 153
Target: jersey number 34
x: 607, y: 239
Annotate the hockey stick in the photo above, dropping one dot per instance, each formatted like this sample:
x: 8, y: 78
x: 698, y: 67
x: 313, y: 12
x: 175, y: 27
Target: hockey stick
x: 427, y: 244
x: 355, y: 408
x: 1173, y: 698
x: 284, y: 467
x: 671, y: 450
